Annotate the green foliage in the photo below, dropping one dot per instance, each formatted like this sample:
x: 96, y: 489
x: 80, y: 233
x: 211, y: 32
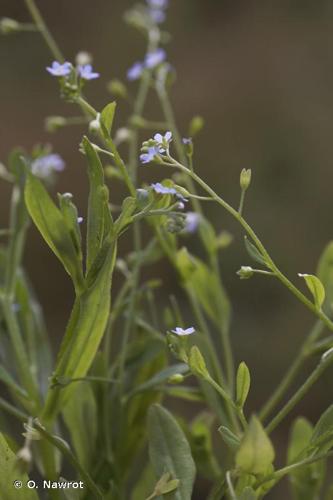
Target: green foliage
x: 243, y: 382
x: 316, y: 288
x: 170, y: 452
x: 256, y: 452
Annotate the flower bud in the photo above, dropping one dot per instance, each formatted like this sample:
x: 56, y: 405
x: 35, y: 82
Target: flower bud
x: 53, y: 123
x: 142, y: 197
x: 117, y: 88
x: 24, y: 459
x: 245, y: 272
x: 95, y: 125
x: 188, y: 146
x: 177, y: 378
x: 82, y: 58
x: 9, y: 26
x: 196, y: 125
x: 245, y: 179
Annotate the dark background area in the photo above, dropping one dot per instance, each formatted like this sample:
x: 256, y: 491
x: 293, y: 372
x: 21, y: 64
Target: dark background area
x: 261, y: 74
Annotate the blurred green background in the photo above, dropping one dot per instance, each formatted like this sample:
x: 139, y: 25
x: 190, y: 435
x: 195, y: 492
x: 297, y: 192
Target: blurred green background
x: 261, y: 74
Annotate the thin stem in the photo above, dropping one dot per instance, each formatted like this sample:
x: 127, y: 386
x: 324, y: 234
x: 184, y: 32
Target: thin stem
x: 40, y: 23
x: 66, y: 451
x: 248, y: 229
x: 300, y: 393
x: 241, y: 202
x: 292, y: 372
x: 229, y: 400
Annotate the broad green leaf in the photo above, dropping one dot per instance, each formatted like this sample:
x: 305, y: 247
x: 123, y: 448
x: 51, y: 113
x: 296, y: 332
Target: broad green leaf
x: 306, y: 481
x: 107, y: 116
x: 99, y: 218
x: 70, y: 214
x: 316, y: 288
x: 256, y: 452
x: 254, y: 252
x: 170, y: 452
x: 80, y: 416
x: 243, y: 382
x: 197, y: 363
x: 51, y: 224
x: 325, y: 274
x: 9, y: 473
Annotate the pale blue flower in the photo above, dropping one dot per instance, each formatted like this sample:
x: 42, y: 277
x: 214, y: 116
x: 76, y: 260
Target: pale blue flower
x: 163, y: 141
x: 86, y: 72
x: 45, y: 165
x: 158, y: 4
x: 187, y: 140
x: 155, y: 58
x: 150, y: 155
x: 58, y: 69
x: 135, y: 71
x: 79, y: 220
x: 192, y: 222
x: 160, y: 189
x: 157, y: 15
x: 182, y: 332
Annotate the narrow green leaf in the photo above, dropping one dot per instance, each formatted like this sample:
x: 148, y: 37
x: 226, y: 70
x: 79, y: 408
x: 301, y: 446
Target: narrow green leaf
x: 107, y: 116
x: 253, y: 252
x: 80, y: 416
x: 98, y: 223
x: 170, y: 452
x: 51, y: 224
x: 161, y: 377
x: 243, y: 383
x: 316, y: 288
x: 256, y: 452
x: 10, y: 473
x: 322, y: 436
x: 230, y: 439
x: 325, y: 274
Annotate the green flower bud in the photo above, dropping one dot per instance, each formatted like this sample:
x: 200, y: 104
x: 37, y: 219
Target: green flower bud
x: 245, y: 272
x: 95, y: 125
x: 117, y: 88
x: 196, y: 125
x: 177, y: 378
x: 245, y: 179
x: 53, y: 123
x: 9, y: 26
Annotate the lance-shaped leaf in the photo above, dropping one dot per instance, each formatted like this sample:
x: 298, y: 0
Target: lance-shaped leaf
x: 316, y: 288
x: 84, y: 333
x: 243, y: 382
x: 99, y: 217
x: 256, y: 452
x: 325, y: 274
x: 51, y: 224
x: 170, y: 452
x: 107, y: 116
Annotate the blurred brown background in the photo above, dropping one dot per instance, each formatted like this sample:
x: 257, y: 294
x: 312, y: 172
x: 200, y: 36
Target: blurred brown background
x: 261, y: 73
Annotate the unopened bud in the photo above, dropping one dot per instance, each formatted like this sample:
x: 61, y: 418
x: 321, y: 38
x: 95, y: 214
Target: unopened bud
x: 196, y: 125
x: 245, y: 272
x: 245, y: 179
x: 95, y: 125
x: 82, y: 58
x: 53, y: 123
x: 188, y: 146
x: 117, y: 88
x: 24, y: 459
x: 177, y: 378
x: 8, y: 26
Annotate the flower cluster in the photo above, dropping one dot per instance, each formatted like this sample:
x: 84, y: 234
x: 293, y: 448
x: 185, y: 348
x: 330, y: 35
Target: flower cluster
x: 160, y: 189
x: 85, y: 71
x: 154, y: 147
x: 151, y: 60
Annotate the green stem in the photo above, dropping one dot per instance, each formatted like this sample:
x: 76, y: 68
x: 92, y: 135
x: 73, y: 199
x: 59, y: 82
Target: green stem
x: 291, y: 373
x: 49, y: 40
x: 248, y: 229
x: 300, y: 393
x: 65, y: 450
